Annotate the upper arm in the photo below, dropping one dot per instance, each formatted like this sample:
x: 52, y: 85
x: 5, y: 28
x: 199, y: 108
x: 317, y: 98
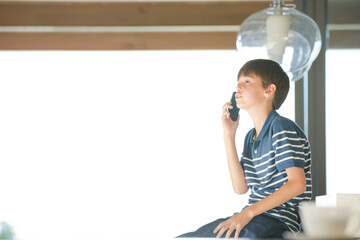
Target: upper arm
x: 296, y: 176
x: 290, y: 145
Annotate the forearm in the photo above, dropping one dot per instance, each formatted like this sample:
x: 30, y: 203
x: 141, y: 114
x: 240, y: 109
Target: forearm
x: 235, y: 169
x: 238, y: 221
x: 286, y: 192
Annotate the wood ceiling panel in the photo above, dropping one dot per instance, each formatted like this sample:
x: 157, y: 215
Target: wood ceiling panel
x: 14, y: 13
x: 117, y: 41
x: 147, y: 14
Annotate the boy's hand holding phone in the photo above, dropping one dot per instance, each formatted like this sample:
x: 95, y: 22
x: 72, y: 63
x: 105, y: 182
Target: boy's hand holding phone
x: 234, y: 111
x: 230, y: 117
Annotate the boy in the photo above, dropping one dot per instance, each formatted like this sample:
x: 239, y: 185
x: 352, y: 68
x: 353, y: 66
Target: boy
x: 275, y: 163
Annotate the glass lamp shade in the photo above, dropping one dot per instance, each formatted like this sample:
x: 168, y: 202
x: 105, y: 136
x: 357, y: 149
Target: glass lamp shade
x: 284, y: 35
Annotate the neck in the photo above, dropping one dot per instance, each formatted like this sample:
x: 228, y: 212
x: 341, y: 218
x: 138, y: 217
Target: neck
x: 259, y: 118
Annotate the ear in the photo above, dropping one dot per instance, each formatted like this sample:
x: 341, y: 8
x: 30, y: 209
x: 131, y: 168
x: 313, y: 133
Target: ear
x: 270, y: 90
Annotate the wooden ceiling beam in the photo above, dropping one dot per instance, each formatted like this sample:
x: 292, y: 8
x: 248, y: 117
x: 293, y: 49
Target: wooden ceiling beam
x: 171, y: 13
x: 118, y: 41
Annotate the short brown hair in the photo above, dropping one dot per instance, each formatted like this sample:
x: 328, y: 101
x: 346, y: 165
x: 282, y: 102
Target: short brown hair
x: 270, y: 72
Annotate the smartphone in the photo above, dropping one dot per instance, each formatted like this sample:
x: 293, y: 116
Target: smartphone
x: 234, y: 112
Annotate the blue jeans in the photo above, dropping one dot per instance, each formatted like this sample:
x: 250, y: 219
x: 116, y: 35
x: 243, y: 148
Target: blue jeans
x: 261, y: 226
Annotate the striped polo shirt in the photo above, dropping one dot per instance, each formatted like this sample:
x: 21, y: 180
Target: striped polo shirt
x: 281, y: 144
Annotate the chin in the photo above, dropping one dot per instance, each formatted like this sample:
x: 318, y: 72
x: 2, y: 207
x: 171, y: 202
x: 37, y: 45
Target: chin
x: 240, y: 106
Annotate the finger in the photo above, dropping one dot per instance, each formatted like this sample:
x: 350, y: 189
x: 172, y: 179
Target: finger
x: 237, y: 232
x: 221, y: 232
x: 226, y: 106
x: 225, y: 115
x: 218, y: 227
x: 229, y: 232
x: 221, y: 228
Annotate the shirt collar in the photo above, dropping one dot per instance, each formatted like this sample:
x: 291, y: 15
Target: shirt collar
x: 267, y: 124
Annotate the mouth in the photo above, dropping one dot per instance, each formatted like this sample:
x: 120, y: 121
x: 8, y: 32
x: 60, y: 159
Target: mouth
x: 237, y: 96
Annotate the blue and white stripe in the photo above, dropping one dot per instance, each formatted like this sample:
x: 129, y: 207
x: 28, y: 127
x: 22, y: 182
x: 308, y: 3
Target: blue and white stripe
x: 281, y: 144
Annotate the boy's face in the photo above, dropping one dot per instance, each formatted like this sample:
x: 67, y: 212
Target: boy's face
x: 249, y: 92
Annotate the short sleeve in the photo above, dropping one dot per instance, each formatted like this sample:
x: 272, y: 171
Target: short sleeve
x: 288, y: 144
x: 247, y: 149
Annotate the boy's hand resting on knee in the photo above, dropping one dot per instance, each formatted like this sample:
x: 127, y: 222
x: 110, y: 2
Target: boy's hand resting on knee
x: 235, y: 223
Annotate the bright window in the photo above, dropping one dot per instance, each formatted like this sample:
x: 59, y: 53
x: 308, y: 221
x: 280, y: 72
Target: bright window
x: 342, y: 131
x: 117, y: 145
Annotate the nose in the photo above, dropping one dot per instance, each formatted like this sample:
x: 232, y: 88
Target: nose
x: 238, y: 89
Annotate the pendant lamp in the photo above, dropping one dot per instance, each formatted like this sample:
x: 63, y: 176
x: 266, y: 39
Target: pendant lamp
x: 283, y: 34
